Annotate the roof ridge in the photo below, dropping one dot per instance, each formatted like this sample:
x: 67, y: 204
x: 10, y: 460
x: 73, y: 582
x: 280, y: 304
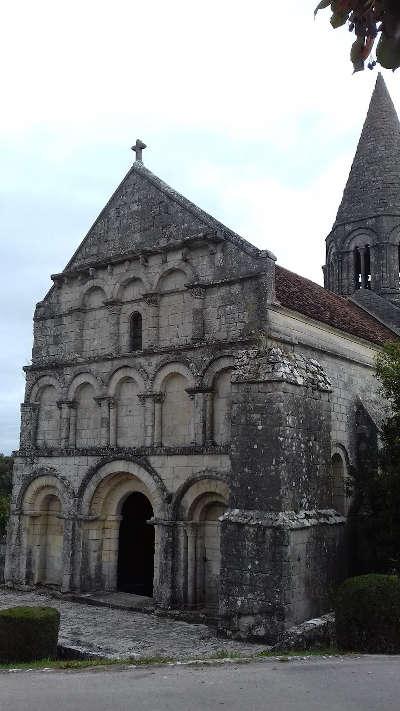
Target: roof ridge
x: 197, y: 211
x: 99, y: 216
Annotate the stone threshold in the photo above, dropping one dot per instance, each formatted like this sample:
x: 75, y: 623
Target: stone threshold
x: 135, y: 603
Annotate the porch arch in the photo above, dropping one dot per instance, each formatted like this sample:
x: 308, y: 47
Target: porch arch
x: 103, y: 507
x: 45, y: 504
x: 199, y: 505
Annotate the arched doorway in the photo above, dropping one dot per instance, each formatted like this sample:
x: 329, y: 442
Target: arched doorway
x: 136, y: 546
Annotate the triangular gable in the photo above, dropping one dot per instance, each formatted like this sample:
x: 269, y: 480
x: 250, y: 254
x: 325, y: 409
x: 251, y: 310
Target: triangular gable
x: 145, y: 213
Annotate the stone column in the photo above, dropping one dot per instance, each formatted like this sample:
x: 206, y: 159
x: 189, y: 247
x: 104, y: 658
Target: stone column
x: 104, y: 404
x: 14, y: 571
x: 113, y: 415
x: 158, y: 399
x: 202, y: 402
x: 151, y: 325
x: 147, y: 401
x: 362, y: 269
x: 65, y: 411
x: 67, y: 553
x: 72, y: 425
x: 198, y: 294
x: 191, y: 532
x: 209, y: 417
x: 113, y: 314
x: 29, y: 422
x: 110, y: 552
x: 163, y: 562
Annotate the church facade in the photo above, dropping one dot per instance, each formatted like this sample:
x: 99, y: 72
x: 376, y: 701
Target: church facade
x: 193, y: 411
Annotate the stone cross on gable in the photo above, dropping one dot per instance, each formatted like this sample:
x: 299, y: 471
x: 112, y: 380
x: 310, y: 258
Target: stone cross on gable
x: 138, y: 148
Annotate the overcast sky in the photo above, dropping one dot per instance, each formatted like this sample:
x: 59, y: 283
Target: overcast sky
x: 259, y: 129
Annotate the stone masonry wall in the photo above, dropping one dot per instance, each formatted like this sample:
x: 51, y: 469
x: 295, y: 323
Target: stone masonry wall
x: 280, y: 526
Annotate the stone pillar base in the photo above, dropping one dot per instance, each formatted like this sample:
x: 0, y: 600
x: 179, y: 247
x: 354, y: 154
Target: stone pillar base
x: 278, y: 569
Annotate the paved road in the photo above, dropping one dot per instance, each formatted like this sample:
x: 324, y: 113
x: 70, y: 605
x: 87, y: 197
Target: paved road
x: 361, y: 684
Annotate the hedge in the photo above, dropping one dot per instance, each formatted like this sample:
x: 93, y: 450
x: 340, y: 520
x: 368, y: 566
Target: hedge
x: 368, y: 614
x: 28, y: 633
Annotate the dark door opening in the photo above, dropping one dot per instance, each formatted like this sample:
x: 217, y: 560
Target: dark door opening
x: 136, y: 546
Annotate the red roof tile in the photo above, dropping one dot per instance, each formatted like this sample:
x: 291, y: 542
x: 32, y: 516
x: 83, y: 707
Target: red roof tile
x: 302, y: 295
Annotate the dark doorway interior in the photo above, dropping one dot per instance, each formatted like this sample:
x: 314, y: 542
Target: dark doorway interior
x: 136, y: 546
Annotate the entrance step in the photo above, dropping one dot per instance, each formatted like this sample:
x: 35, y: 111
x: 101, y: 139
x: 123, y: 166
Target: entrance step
x: 117, y: 601
x: 139, y: 603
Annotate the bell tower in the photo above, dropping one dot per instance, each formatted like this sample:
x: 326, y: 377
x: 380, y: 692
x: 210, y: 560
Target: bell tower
x: 362, y: 250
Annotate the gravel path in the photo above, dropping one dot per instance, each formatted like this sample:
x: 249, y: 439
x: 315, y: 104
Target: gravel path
x: 123, y: 633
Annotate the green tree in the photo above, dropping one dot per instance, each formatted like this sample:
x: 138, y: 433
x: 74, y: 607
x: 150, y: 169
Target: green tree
x: 372, y: 22
x: 6, y: 465
x: 376, y: 508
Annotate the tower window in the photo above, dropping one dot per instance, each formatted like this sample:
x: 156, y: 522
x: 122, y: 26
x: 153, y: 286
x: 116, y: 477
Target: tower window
x: 357, y: 268
x: 135, y: 332
x: 362, y: 267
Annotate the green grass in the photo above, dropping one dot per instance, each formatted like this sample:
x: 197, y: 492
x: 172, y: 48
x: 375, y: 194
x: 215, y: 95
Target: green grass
x: 330, y: 651
x: 148, y: 661
x: 85, y: 663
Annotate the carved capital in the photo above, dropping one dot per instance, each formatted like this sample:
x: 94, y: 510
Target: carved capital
x: 159, y: 397
x: 156, y: 397
x: 197, y: 292
x: 152, y: 298
x: 71, y: 404
x: 106, y: 399
x: 200, y: 389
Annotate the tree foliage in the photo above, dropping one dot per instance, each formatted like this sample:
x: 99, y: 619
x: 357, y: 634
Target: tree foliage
x: 6, y: 465
x: 377, y: 486
x: 371, y: 21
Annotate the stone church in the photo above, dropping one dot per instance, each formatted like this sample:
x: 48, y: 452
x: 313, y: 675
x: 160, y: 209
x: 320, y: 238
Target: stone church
x: 193, y: 411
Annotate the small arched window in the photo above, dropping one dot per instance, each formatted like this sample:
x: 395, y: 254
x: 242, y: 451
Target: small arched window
x: 362, y: 267
x: 135, y: 332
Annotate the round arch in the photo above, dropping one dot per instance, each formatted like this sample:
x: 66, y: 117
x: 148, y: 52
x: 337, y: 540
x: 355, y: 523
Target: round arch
x: 104, y: 494
x: 131, y: 470
x: 167, y: 269
x: 81, y: 379
x: 170, y: 368
x: 45, y: 381
x: 217, y: 366
x: 45, y: 505
x: 204, y: 483
x: 122, y: 374
x: 45, y: 481
x: 360, y: 237
x: 94, y: 284
x: 200, y: 503
x: 341, y: 478
x: 394, y: 236
x: 133, y: 275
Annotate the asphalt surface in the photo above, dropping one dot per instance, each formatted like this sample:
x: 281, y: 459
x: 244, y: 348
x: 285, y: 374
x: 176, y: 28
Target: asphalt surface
x: 335, y: 684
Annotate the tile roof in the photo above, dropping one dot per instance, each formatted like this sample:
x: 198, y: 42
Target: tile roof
x: 304, y: 296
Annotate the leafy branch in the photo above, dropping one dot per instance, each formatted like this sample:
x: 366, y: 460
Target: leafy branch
x: 371, y: 21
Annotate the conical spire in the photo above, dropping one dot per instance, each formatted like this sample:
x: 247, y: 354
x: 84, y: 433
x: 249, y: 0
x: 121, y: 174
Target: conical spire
x: 373, y: 187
